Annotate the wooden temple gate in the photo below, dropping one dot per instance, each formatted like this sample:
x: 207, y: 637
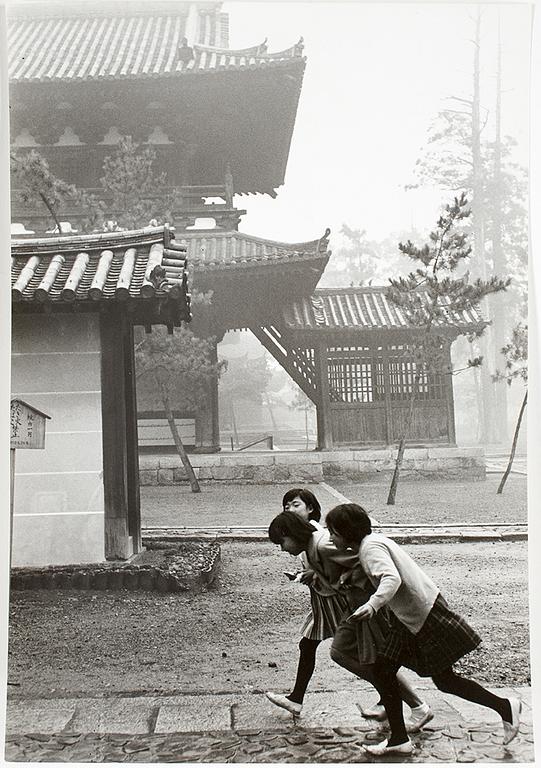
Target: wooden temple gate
x: 347, y: 349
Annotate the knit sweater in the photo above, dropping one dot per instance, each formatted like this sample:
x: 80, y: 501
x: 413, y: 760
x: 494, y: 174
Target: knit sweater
x: 335, y: 570
x: 399, y: 581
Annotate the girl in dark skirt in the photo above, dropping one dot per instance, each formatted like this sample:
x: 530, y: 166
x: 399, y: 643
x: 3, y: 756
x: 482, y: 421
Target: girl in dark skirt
x: 337, y: 586
x: 425, y: 635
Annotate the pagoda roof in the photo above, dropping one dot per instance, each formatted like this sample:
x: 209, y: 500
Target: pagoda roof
x: 362, y: 308
x: 131, y: 46
x: 130, y: 266
x: 210, y: 251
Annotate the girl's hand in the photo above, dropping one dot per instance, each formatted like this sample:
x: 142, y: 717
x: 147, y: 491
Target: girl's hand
x: 363, y: 613
x: 307, y: 577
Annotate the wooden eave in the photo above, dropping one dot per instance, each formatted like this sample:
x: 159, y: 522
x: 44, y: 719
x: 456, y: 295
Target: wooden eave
x: 144, y: 271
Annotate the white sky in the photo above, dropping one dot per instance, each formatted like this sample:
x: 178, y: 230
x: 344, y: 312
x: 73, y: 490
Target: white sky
x: 376, y: 74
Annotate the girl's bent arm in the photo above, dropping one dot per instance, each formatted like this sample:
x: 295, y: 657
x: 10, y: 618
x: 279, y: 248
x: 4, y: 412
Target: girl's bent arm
x: 379, y: 566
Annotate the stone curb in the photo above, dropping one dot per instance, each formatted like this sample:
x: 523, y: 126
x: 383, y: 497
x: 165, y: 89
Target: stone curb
x: 430, y: 536
x: 114, y: 576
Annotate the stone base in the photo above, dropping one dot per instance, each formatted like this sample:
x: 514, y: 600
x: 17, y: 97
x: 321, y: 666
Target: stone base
x: 164, y: 567
x: 261, y: 467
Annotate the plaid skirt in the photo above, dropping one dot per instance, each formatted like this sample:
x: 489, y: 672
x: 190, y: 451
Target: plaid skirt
x: 362, y: 640
x: 328, y: 611
x: 444, y: 638
x: 325, y: 616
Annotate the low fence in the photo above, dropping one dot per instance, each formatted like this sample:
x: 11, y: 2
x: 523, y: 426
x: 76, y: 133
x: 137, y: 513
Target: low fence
x: 314, y: 466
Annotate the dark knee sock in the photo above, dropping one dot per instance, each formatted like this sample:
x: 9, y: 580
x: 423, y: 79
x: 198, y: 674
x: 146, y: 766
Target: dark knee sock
x: 305, y: 669
x: 386, y: 684
x: 449, y: 682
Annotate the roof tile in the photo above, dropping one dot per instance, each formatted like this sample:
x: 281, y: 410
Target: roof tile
x: 107, y: 266
x: 121, y: 47
x: 366, y: 308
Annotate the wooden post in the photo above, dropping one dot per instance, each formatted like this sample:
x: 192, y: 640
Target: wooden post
x: 387, y: 394
x: 323, y: 405
x: 132, y: 442
x: 214, y: 402
x: 115, y: 459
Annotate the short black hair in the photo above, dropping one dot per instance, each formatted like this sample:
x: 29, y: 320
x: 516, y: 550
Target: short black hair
x: 350, y: 521
x: 290, y: 524
x: 309, y: 499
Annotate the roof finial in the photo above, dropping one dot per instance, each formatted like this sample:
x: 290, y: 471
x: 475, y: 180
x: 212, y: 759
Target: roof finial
x: 185, y: 51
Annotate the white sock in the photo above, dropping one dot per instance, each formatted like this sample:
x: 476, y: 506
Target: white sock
x: 422, y: 709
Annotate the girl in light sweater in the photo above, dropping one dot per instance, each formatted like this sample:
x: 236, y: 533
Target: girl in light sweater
x: 425, y: 635
x: 337, y: 586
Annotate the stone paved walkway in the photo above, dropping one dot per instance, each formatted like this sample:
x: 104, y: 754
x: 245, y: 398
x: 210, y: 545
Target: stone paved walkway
x: 246, y: 728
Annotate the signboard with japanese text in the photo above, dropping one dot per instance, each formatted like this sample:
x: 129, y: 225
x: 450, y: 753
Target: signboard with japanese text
x: 27, y: 425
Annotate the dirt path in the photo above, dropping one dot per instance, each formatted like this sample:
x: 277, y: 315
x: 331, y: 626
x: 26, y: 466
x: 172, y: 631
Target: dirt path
x: 243, y: 635
x: 419, y: 501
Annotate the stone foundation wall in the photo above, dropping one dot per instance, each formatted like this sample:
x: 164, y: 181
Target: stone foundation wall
x: 314, y: 466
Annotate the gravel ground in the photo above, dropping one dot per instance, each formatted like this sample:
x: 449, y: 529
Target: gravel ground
x: 444, y: 502
x: 243, y: 634
x: 418, y: 501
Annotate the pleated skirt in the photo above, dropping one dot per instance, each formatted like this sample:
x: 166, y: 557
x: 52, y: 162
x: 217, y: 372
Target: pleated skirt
x: 325, y: 616
x: 444, y: 638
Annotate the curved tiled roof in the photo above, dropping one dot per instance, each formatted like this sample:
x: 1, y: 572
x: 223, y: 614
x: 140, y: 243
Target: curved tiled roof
x: 356, y: 308
x: 141, y: 264
x: 69, y: 48
x: 215, y: 250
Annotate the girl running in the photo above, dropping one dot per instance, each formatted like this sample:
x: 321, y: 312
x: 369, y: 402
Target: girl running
x: 425, y: 635
x: 337, y: 586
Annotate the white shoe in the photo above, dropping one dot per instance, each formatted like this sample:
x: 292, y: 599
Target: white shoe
x: 510, y: 730
x: 406, y: 748
x: 376, y: 712
x: 419, y: 717
x: 282, y: 701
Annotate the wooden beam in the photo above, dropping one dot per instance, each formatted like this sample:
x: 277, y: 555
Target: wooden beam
x: 323, y: 406
x: 387, y: 395
x: 286, y: 362
x: 115, y: 458
x: 132, y: 441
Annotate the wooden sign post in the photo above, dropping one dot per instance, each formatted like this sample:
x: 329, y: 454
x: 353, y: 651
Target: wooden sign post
x: 27, y: 428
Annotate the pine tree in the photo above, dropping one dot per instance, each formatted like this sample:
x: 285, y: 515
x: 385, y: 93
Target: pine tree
x: 459, y: 156
x: 34, y: 183
x: 432, y: 298
x: 135, y: 193
x: 182, y: 363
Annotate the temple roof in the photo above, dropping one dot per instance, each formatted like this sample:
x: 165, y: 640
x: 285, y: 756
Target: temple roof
x: 214, y: 250
x: 117, y: 47
x: 355, y: 308
x: 123, y: 266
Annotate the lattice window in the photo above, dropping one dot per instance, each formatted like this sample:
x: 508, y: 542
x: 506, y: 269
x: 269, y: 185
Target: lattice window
x: 352, y: 375
x: 402, y: 371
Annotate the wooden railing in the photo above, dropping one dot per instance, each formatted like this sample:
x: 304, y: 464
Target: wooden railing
x: 268, y: 439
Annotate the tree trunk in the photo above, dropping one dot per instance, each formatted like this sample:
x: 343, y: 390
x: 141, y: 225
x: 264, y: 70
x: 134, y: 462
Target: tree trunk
x: 514, y: 446
x: 499, y: 303
x: 478, y: 262
x: 478, y: 398
x: 402, y: 444
x: 271, y: 413
x: 234, y: 422
x: 306, y: 426
x: 52, y: 212
x: 181, y: 450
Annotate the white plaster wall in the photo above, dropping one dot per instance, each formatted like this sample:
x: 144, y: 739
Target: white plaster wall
x: 58, y: 497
